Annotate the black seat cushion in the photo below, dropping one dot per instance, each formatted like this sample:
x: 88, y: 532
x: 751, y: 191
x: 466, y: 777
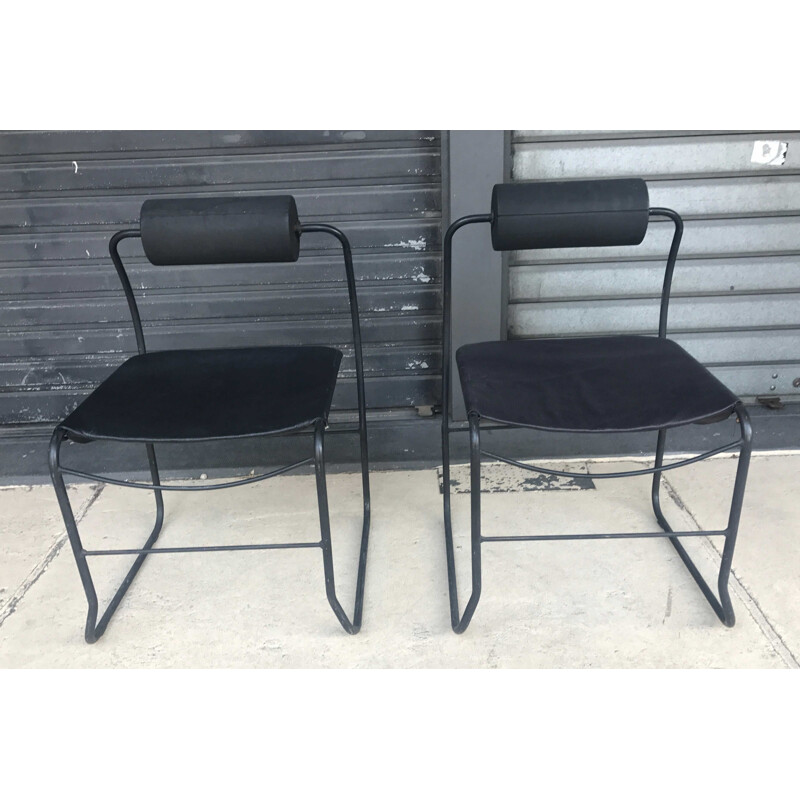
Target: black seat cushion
x: 615, y: 383
x: 179, y: 395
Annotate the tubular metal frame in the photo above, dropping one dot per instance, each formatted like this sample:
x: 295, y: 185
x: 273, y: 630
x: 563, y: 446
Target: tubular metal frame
x: 721, y: 605
x: 94, y: 628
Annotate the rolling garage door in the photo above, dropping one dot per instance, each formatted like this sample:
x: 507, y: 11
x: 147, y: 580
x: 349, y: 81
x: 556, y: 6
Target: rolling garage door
x: 65, y: 323
x: 736, y: 292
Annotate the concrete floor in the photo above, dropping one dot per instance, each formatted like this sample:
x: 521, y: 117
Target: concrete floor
x: 547, y: 604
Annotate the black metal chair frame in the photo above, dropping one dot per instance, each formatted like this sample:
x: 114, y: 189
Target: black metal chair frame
x: 721, y: 605
x: 95, y: 628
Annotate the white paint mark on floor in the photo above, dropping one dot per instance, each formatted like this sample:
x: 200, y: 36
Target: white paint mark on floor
x: 505, y: 478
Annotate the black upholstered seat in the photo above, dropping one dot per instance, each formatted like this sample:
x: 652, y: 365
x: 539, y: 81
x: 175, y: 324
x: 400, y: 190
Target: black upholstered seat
x: 615, y: 383
x: 180, y: 395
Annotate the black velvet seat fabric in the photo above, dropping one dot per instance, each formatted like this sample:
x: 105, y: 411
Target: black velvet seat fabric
x: 180, y: 395
x: 615, y: 383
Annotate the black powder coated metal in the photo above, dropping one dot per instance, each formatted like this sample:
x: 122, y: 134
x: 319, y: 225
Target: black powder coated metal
x: 460, y: 621
x: 94, y: 628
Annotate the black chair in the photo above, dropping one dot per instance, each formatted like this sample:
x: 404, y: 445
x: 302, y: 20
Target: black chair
x: 599, y: 384
x: 201, y: 395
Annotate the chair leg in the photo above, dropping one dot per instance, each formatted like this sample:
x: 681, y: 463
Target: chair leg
x: 460, y: 624
x: 656, y: 488
x: 151, y: 458
x: 94, y: 630
x: 722, y: 606
x: 325, y: 528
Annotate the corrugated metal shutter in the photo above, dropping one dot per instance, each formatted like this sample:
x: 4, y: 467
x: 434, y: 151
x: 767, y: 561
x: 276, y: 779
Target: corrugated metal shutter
x: 736, y: 293
x: 65, y: 324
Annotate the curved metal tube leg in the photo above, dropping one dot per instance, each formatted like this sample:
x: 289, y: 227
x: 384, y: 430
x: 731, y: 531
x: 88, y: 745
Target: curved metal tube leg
x: 325, y: 528
x: 151, y: 458
x: 94, y: 630
x: 736, y: 512
x: 722, y: 606
x: 461, y: 624
x: 656, y: 488
x: 448, y: 524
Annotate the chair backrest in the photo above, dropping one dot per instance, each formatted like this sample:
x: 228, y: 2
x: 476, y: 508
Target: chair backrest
x: 552, y: 214
x: 227, y: 230
x: 232, y: 230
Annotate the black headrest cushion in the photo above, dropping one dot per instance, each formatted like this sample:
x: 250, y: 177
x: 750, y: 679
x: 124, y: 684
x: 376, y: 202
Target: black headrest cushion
x: 220, y: 230
x: 530, y: 216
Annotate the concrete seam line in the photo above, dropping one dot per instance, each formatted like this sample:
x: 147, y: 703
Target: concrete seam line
x: 33, y: 576
x: 677, y: 455
x: 750, y: 603
x: 668, y: 458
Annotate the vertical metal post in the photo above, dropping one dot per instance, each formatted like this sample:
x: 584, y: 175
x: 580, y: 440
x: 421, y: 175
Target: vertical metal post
x: 476, y: 161
x: 355, y: 626
x: 459, y: 626
x: 126, y: 284
x: 671, y: 259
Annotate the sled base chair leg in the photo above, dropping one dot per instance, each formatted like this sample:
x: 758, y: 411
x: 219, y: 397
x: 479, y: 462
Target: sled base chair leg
x: 721, y: 605
x: 95, y: 629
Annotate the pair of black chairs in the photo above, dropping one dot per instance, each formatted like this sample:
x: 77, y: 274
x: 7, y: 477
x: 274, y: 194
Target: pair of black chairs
x: 619, y: 383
